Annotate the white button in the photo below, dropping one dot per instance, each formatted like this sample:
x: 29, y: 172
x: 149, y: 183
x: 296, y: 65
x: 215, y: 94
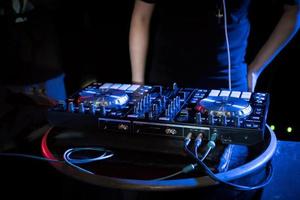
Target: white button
x: 214, y: 93
x: 106, y: 85
x: 235, y: 94
x: 164, y: 118
x: 246, y: 95
x: 224, y: 93
x: 124, y: 87
x: 133, y: 87
x: 115, y: 86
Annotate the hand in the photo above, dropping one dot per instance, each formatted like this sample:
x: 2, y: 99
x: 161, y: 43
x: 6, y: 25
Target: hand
x: 252, y: 77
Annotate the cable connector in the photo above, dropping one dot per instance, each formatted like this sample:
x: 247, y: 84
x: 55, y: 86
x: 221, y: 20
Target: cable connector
x: 198, y: 140
x: 211, y: 144
x: 189, y: 168
x: 213, y: 137
x: 187, y: 139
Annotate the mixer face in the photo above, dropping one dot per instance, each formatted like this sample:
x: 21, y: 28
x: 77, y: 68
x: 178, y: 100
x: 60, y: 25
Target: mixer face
x: 166, y: 112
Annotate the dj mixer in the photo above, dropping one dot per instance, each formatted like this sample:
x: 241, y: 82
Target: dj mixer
x: 156, y: 118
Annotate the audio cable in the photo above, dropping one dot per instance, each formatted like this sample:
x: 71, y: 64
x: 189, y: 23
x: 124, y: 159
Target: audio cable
x: 29, y: 156
x: 191, y: 167
x: 74, y: 161
x: 67, y: 157
x: 215, y: 178
x: 227, y: 44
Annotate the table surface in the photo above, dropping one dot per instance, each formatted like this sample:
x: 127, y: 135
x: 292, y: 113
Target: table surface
x: 124, y: 175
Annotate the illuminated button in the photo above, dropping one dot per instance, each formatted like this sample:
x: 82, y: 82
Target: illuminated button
x: 164, y: 118
x: 133, y: 87
x: 194, y: 100
x: 248, y: 125
x: 106, y: 86
x: 289, y: 129
x: 261, y: 94
x: 132, y: 116
x: 235, y: 94
x: 256, y: 117
x: 214, y: 93
x: 246, y: 95
x: 124, y: 87
x: 257, y: 97
x: 259, y: 101
x: 224, y: 93
x: 115, y: 86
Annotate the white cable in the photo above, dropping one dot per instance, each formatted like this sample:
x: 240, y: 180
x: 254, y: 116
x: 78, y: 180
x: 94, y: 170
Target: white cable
x: 227, y: 45
x: 205, y: 154
x: 73, y: 161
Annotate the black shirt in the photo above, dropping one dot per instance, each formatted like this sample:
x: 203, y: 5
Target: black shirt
x: 190, y: 47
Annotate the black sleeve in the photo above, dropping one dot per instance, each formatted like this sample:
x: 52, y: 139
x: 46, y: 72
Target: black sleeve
x: 149, y: 1
x: 291, y: 2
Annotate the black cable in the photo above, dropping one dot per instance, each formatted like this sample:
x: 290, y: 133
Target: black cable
x: 30, y: 156
x: 226, y: 183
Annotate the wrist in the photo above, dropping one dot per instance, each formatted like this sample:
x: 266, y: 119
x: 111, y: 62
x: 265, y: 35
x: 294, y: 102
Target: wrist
x: 253, y: 69
x: 137, y: 81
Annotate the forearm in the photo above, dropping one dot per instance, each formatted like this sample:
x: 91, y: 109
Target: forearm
x: 138, y: 46
x: 286, y: 28
x: 139, y: 39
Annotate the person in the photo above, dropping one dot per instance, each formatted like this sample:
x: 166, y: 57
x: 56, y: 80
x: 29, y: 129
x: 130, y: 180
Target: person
x: 189, y: 44
x: 32, y: 76
x: 30, y: 49
x: 204, y: 45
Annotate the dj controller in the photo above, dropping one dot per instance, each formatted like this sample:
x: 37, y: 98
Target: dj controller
x: 156, y: 118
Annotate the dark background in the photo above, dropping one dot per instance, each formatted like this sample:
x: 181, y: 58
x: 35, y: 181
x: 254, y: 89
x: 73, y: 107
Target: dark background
x: 93, y: 45
x: 93, y: 39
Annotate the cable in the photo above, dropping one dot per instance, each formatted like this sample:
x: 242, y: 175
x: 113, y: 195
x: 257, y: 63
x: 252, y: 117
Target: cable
x: 71, y: 161
x: 30, y: 156
x: 198, y: 142
x: 227, y: 45
x: 169, y: 176
x: 188, y: 168
x: 205, y: 155
x: 67, y: 157
x: 229, y: 184
x: 69, y: 152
